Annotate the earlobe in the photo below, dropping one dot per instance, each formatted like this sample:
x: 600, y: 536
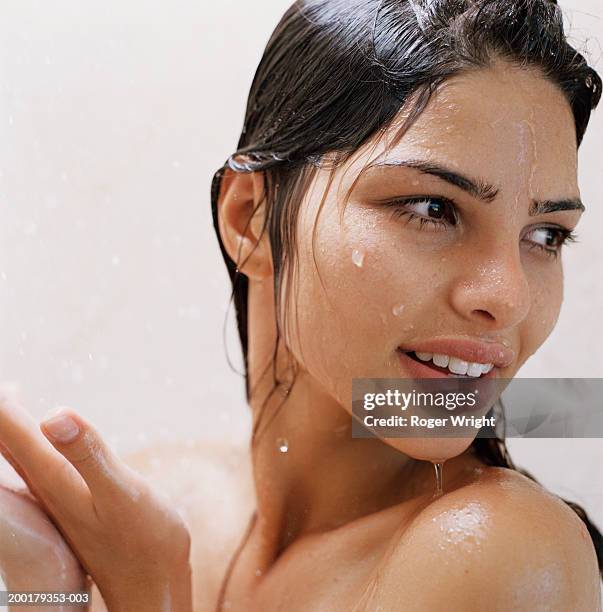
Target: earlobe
x: 241, y: 212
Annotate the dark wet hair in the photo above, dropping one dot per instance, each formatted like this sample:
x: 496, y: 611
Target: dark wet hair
x: 335, y: 73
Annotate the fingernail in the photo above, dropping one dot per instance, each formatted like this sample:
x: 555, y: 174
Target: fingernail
x: 61, y: 428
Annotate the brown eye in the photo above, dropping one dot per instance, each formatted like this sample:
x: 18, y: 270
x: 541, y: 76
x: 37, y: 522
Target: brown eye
x: 437, y: 211
x: 550, y: 239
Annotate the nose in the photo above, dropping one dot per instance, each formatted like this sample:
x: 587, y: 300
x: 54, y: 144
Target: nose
x: 493, y: 289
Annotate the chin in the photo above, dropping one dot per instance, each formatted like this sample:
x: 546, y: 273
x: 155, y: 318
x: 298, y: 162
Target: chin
x: 436, y: 450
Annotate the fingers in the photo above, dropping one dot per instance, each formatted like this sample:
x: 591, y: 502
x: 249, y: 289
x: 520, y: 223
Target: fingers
x: 11, y: 461
x: 82, y: 474
x: 31, y: 548
x: 33, y: 458
x: 105, y: 474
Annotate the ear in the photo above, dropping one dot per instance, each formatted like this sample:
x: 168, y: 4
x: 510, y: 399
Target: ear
x: 241, y: 213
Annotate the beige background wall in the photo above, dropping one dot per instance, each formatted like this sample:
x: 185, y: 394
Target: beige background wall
x: 113, y: 117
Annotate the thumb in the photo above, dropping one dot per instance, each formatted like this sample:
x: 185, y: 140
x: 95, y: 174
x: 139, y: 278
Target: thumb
x: 84, y: 448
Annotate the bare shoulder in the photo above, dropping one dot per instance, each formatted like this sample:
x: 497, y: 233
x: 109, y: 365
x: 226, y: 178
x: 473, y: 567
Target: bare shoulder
x: 498, y: 542
x: 211, y: 484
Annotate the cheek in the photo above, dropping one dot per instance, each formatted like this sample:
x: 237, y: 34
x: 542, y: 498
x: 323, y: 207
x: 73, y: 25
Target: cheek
x: 546, y: 290
x: 352, y: 299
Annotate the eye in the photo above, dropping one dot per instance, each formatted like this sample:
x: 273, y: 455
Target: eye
x: 438, y: 212
x: 550, y: 239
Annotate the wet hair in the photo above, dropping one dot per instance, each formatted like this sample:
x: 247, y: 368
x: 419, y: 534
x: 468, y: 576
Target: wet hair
x: 335, y: 74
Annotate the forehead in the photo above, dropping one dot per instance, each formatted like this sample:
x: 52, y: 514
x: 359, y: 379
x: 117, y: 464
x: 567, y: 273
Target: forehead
x: 507, y: 125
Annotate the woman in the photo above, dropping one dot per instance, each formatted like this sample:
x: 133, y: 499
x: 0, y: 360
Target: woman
x: 397, y: 205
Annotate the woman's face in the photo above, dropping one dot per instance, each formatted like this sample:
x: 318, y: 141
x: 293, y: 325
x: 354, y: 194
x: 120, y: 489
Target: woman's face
x: 486, y: 266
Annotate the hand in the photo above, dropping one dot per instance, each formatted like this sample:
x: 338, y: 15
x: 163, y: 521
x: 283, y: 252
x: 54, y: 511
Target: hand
x: 131, y: 541
x: 33, y: 554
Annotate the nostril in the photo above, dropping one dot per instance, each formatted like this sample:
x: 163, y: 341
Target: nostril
x: 484, y: 313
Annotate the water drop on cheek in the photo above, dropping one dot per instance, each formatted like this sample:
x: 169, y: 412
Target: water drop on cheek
x: 358, y: 258
x: 283, y: 445
x: 397, y: 310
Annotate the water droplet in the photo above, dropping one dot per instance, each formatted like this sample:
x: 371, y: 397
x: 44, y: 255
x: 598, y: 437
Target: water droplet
x: 283, y: 445
x: 284, y: 389
x: 438, y: 466
x: 358, y: 258
x: 397, y: 310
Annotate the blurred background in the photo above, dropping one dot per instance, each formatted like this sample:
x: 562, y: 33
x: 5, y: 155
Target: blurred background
x: 113, y: 118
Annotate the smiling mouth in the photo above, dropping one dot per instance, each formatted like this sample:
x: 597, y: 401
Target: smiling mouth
x: 439, y: 369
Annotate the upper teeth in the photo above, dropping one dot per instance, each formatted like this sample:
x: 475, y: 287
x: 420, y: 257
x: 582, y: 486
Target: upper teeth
x: 456, y: 365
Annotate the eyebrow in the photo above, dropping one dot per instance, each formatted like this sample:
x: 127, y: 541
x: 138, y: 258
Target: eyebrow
x: 548, y: 206
x: 479, y: 189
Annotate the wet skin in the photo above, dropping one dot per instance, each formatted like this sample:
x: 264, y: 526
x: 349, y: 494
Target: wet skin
x: 352, y: 524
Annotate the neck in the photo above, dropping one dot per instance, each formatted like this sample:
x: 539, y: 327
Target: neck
x: 310, y: 474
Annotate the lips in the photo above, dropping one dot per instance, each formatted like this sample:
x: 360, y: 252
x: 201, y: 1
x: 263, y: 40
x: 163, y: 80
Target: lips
x: 421, y: 369
x: 466, y: 349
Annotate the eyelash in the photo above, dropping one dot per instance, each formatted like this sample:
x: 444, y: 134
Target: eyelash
x: 565, y: 235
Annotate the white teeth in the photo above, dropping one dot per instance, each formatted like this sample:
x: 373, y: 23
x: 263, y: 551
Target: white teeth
x: 475, y: 369
x: 441, y: 360
x: 456, y: 365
